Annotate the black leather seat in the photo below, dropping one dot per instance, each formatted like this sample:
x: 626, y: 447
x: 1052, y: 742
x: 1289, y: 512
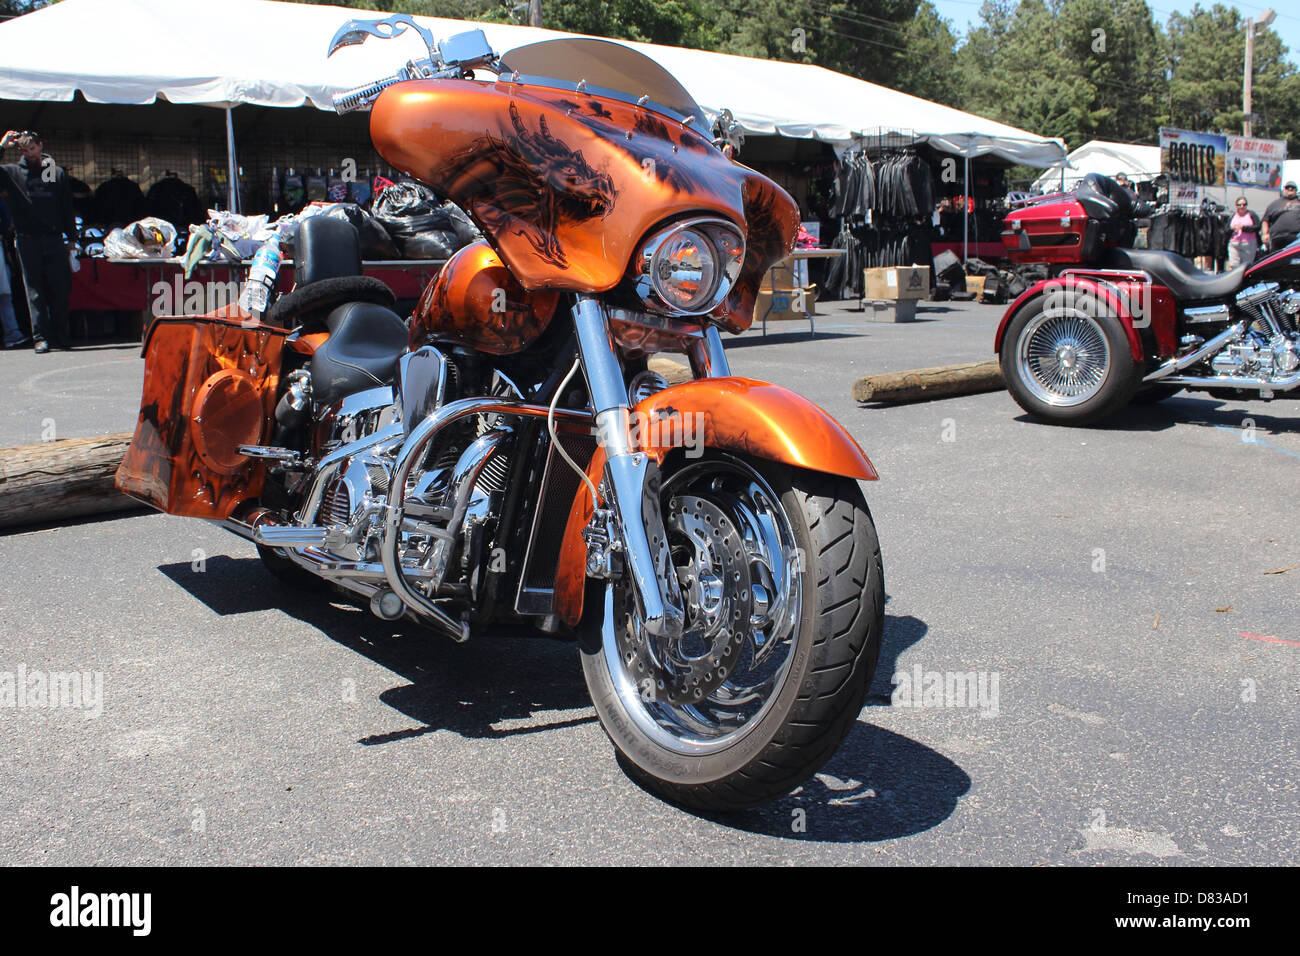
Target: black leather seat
x: 1184, y: 280
x: 361, y: 352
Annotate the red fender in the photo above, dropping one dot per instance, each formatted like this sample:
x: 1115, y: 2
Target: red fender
x: 732, y: 414
x: 1102, y: 292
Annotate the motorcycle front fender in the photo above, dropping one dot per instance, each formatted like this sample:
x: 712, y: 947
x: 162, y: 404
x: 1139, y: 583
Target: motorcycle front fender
x: 729, y: 414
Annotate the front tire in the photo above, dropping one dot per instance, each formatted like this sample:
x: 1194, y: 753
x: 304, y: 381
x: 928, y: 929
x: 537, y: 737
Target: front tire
x: 1067, y: 367
x: 797, y: 683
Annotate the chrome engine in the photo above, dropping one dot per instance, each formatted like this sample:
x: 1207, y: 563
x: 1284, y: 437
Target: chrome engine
x: 1260, y: 351
x: 452, y: 492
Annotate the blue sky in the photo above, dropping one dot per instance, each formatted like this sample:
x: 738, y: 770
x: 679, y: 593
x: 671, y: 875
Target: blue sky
x: 962, y: 13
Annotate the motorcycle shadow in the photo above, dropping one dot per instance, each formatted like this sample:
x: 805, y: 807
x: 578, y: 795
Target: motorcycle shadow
x: 1198, y: 409
x: 1195, y: 409
x: 509, y: 681
x: 500, y: 683
x: 879, y: 785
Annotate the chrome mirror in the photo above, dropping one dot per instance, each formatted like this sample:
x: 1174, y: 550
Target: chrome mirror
x: 356, y: 31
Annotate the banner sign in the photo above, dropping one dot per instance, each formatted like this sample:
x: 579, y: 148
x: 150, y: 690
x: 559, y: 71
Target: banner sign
x: 1255, y: 162
x: 1189, y: 157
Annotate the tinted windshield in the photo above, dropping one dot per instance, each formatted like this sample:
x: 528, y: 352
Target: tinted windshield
x: 611, y: 67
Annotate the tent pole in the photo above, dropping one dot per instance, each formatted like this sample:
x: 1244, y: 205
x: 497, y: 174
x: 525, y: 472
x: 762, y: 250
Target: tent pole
x: 232, y: 173
x: 965, y: 206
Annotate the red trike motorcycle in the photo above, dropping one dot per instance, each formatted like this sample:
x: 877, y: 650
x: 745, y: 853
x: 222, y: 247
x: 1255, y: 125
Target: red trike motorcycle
x: 1112, y: 323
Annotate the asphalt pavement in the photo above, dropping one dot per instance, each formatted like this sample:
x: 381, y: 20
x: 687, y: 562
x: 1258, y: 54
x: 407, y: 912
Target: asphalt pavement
x: 1126, y: 593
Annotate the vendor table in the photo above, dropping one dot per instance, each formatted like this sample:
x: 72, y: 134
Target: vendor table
x: 797, y: 265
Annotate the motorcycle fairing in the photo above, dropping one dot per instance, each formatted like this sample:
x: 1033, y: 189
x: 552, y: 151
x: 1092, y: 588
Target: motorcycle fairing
x: 566, y: 185
x: 734, y: 414
x: 209, y: 386
x: 1111, y: 293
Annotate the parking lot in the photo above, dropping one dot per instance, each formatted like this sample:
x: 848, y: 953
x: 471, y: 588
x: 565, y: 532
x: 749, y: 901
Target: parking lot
x: 1126, y: 593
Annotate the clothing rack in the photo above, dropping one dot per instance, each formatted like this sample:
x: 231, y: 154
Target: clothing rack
x: 884, y: 198
x: 1191, y: 229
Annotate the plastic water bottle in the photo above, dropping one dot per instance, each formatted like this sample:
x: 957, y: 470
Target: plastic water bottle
x: 261, y: 277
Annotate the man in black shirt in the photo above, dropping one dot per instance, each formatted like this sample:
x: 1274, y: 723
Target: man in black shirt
x: 40, y: 202
x: 1281, y: 224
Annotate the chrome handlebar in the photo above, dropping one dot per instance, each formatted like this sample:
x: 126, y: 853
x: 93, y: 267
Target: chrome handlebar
x: 454, y: 57
x: 363, y: 96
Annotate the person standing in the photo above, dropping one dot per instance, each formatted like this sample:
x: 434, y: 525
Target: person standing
x: 40, y: 202
x: 1282, y: 220
x: 1244, y: 241
x: 13, y: 333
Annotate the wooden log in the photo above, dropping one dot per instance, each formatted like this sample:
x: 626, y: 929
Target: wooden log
x: 52, y: 480
x: 925, y: 384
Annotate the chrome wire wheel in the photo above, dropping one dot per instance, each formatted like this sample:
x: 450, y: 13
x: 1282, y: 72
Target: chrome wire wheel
x: 742, y: 580
x: 1063, y: 357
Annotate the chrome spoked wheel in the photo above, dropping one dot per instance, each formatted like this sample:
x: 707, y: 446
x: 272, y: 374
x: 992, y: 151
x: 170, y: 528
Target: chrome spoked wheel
x: 733, y: 548
x: 1063, y: 357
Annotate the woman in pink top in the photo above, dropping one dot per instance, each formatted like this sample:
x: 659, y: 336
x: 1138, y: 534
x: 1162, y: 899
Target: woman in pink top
x: 1244, y: 241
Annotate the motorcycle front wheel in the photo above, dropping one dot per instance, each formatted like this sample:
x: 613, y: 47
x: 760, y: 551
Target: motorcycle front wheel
x: 781, y: 576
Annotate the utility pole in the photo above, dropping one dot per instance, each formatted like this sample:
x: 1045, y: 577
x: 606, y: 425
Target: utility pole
x: 1248, y: 80
x: 534, y: 13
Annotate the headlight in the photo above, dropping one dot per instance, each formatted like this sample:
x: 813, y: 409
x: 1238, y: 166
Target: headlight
x: 688, y: 268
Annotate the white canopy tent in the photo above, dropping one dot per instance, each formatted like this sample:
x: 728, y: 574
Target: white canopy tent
x: 273, y: 54
x: 265, y: 53
x: 1099, y: 156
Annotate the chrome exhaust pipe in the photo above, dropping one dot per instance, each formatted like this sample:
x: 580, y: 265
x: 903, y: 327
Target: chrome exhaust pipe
x: 1228, y: 381
x: 261, y: 527
x: 1230, y: 334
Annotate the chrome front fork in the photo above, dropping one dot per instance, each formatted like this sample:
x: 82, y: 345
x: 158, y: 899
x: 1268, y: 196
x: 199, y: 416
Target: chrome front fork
x: 631, y: 477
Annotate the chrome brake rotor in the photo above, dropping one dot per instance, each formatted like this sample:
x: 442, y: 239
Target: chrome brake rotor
x: 709, y: 557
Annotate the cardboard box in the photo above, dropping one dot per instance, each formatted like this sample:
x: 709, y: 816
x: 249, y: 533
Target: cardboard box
x: 899, y: 310
x: 896, y: 282
x: 975, y: 284
x: 778, y: 304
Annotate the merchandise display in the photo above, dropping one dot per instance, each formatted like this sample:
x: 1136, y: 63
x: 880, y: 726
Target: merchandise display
x: 148, y: 238
x: 118, y: 200
x: 173, y: 199
x: 884, y: 199
x: 1191, y: 231
x: 408, y: 222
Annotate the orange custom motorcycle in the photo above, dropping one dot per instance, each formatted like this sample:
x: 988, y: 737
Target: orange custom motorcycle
x: 508, y: 455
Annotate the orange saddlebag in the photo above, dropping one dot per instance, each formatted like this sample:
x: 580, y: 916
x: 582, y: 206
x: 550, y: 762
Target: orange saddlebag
x: 209, y: 386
